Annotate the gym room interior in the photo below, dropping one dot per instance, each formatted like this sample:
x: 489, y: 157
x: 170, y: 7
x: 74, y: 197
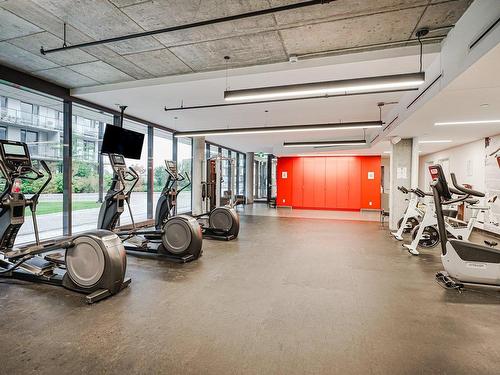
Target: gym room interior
x: 249, y: 187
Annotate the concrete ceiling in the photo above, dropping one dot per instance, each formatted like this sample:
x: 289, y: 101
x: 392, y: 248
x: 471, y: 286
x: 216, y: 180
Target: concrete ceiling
x: 147, y: 99
x: 26, y: 25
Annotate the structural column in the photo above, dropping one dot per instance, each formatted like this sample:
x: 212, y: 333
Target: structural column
x: 415, y: 162
x: 404, y: 172
x: 199, y: 153
x: 249, y: 177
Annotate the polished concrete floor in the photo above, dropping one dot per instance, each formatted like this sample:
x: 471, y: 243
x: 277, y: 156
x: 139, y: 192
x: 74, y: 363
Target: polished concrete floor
x: 262, y: 209
x: 290, y: 296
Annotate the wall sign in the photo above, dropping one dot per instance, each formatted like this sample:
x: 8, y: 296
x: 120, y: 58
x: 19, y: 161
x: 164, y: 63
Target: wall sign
x: 401, y: 173
x: 371, y: 175
x: 284, y: 175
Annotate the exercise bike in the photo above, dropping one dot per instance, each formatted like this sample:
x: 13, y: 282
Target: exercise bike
x: 92, y: 263
x: 413, y: 213
x: 221, y: 223
x: 177, y: 239
x: 426, y: 234
x: 465, y: 263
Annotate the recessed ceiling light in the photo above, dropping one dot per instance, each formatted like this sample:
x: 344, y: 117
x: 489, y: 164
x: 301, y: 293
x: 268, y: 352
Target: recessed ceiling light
x: 485, y: 105
x: 467, y: 122
x: 437, y: 141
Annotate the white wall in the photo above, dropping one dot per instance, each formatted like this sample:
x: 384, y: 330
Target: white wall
x: 466, y: 161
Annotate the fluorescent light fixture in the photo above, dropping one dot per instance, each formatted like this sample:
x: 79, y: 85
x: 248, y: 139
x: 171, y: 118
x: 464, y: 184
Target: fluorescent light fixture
x: 387, y: 152
x: 437, y: 141
x: 361, y: 142
x: 282, y: 129
x: 467, y: 122
x: 329, y: 87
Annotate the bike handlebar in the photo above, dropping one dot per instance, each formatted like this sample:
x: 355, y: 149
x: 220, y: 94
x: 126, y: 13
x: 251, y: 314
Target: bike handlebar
x: 463, y: 189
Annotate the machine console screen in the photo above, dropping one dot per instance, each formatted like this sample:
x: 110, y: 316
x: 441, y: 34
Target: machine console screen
x: 118, y: 159
x: 14, y: 149
x: 171, y: 166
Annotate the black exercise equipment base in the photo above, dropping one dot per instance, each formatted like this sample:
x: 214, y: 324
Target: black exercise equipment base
x: 58, y: 280
x: 219, y: 237
x: 448, y: 282
x: 134, y: 250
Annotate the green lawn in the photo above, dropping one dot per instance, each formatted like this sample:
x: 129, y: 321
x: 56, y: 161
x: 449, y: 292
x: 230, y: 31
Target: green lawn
x: 44, y: 208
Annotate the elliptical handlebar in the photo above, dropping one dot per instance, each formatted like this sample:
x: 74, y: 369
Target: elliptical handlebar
x: 185, y: 177
x: 34, y: 198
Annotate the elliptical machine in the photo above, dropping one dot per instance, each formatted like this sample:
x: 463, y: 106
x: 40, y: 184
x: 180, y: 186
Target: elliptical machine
x: 465, y: 263
x: 93, y: 263
x: 177, y: 239
x: 220, y: 223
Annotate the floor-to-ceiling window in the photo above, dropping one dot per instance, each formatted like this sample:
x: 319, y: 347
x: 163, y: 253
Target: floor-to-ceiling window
x: 184, y: 164
x: 138, y: 198
x: 88, y: 128
x: 162, y: 150
x: 33, y: 118
x: 225, y: 183
x: 241, y: 174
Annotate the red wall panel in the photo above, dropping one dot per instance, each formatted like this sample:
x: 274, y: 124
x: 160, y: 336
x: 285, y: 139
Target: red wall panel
x: 354, y: 184
x: 370, y: 189
x: 329, y: 182
x: 297, y: 181
x: 319, y: 183
x: 308, y: 173
x: 284, y: 193
x: 342, y: 179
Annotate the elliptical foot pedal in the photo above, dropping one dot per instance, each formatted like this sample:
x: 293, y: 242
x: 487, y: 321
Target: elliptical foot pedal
x: 57, y: 258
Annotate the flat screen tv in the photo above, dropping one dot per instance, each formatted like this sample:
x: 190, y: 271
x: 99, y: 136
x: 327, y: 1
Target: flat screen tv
x: 121, y: 141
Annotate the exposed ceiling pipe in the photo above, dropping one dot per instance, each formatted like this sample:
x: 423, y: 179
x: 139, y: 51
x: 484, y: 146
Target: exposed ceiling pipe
x: 190, y: 25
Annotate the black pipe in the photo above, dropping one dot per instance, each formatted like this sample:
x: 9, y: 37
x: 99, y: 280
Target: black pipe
x: 122, y: 114
x: 190, y: 25
x: 182, y: 108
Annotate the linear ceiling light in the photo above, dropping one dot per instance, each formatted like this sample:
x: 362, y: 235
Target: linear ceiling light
x: 438, y: 141
x: 328, y: 87
x: 361, y: 142
x: 282, y: 129
x: 467, y: 122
